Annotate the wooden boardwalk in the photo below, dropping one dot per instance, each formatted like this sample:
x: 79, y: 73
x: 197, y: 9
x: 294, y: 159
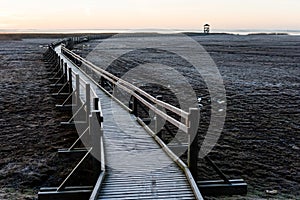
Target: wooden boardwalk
x: 137, y: 166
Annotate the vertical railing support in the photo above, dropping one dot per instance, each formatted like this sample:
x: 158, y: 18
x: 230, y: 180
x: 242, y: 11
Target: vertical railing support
x: 96, y: 104
x: 65, y: 66
x: 77, y: 89
x: 156, y: 117
x: 70, y: 81
x: 193, y: 148
x: 61, y: 62
x: 134, y: 106
x: 88, y: 101
x: 95, y: 130
x: 102, y: 83
x: 95, y: 137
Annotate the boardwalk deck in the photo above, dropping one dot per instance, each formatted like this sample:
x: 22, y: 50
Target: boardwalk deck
x: 137, y: 167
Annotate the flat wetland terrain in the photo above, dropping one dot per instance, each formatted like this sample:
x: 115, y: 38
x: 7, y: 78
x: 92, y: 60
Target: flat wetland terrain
x: 260, y: 141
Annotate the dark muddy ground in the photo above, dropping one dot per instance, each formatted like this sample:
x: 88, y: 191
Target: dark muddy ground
x: 30, y: 132
x: 260, y: 140
x: 259, y: 143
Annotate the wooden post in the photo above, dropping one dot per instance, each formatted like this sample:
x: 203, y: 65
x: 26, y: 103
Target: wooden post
x: 134, y: 106
x: 70, y: 80
x: 96, y: 104
x: 61, y: 62
x: 65, y: 72
x: 77, y: 89
x: 61, y: 67
x: 193, y: 149
x: 88, y: 101
x: 102, y: 81
x: 159, y: 97
x: 94, y: 128
x: 95, y: 133
x: 58, y: 61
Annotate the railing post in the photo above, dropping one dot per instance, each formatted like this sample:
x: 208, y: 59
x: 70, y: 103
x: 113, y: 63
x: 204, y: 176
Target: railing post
x: 70, y: 80
x: 159, y: 97
x: 96, y: 103
x: 193, y: 149
x: 61, y: 61
x: 95, y: 133
x: 65, y: 71
x: 134, y: 106
x: 88, y: 101
x: 102, y: 81
x: 77, y: 89
x: 94, y: 128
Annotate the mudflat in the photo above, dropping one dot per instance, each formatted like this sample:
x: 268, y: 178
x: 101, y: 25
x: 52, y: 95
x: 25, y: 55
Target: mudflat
x: 260, y: 141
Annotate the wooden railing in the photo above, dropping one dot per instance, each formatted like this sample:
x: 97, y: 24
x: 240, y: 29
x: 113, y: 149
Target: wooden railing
x: 84, y: 100
x: 139, y: 94
x: 188, y: 123
x: 189, y: 120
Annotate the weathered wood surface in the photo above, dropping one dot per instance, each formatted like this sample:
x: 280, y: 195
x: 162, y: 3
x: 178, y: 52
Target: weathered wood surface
x: 137, y: 167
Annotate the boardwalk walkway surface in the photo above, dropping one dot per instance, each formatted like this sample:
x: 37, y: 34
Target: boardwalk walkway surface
x: 137, y: 167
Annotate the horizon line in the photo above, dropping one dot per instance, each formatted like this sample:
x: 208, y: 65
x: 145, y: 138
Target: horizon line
x: 139, y: 30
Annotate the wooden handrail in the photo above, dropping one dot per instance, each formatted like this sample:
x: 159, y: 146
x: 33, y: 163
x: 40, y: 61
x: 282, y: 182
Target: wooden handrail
x: 146, y: 99
x: 135, y: 91
x: 91, y: 109
x: 172, y: 108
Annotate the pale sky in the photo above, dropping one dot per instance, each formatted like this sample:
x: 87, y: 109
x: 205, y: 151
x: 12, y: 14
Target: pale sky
x: 139, y: 14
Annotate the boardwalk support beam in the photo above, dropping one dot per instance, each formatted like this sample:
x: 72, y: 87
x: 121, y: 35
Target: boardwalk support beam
x: 193, y: 149
x: 220, y: 187
x: 92, y: 117
x: 74, y: 193
x: 224, y: 186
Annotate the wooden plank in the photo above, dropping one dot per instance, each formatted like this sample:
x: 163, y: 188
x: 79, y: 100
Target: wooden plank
x: 65, y: 195
x: 68, y: 188
x: 132, y: 186
x: 219, y: 187
x: 152, y: 195
x: 141, y: 188
x: 172, y: 180
x: 219, y: 181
